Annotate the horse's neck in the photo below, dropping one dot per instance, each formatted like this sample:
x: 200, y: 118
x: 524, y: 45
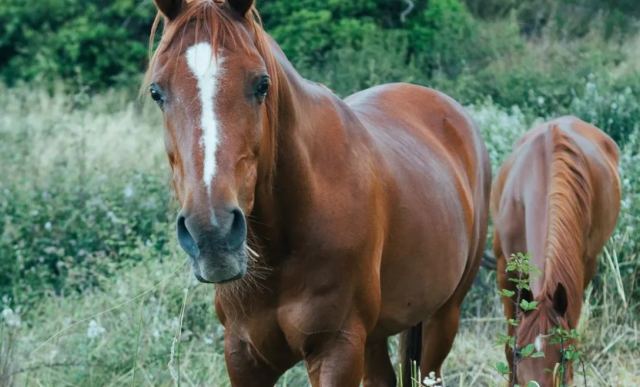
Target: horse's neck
x: 301, y: 113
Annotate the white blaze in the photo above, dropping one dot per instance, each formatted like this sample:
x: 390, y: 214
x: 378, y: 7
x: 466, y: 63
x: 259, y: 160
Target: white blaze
x: 206, y: 68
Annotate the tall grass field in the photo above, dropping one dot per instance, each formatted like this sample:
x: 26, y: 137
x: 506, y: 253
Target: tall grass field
x: 97, y: 293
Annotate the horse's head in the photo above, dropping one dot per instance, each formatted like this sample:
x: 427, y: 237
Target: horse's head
x: 536, y: 328
x: 212, y: 79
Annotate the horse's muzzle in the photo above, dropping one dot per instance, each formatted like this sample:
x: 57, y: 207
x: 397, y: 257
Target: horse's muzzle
x: 216, y: 245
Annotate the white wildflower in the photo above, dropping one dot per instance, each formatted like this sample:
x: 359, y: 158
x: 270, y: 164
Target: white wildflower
x: 47, y: 226
x: 541, y: 101
x: 11, y: 318
x: 95, y: 330
x: 432, y: 381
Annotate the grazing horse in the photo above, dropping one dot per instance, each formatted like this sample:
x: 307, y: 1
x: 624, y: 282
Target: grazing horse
x: 557, y: 197
x: 326, y: 225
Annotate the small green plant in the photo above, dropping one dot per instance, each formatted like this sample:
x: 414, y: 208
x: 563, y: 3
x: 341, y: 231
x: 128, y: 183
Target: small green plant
x: 569, y: 353
x: 521, y: 270
x: 520, y: 265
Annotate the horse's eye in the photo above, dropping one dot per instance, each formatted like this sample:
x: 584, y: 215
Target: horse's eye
x: 156, y: 94
x: 262, y: 88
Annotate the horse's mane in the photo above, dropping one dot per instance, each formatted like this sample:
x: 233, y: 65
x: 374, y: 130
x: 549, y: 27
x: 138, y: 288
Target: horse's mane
x: 569, y: 217
x: 221, y: 28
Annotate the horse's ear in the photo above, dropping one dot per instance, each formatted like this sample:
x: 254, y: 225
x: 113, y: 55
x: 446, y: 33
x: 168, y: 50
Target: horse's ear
x: 560, y: 301
x: 170, y: 8
x: 241, y: 6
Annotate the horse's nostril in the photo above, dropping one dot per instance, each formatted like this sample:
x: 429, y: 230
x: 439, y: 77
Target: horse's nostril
x: 238, y: 230
x: 187, y: 242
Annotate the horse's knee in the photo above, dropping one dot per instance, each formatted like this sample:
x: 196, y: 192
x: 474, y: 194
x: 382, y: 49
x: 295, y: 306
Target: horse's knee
x: 244, y: 367
x: 336, y: 359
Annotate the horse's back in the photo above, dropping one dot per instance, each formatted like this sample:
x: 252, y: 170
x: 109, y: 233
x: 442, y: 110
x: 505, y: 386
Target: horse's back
x: 432, y: 118
x: 414, y: 121
x: 534, y: 151
x: 596, y: 149
x: 437, y: 177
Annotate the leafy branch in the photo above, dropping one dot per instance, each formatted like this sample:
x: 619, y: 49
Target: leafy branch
x: 519, y: 264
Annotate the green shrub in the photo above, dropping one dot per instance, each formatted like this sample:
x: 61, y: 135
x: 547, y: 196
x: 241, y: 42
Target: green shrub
x: 566, y: 18
x: 91, y: 42
x: 443, y: 37
x: 82, y: 191
x: 380, y: 57
x: 610, y: 107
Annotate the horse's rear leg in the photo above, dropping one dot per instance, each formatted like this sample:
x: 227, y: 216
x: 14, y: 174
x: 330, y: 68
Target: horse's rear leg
x: 438, y: 334
x: 378, y: 370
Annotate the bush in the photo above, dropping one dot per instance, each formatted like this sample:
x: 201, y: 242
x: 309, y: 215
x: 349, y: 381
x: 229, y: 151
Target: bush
x: 379, y: 58
x: 92, y: 42
x: 443, y: 37
x: 614, y: 111
x: 82, y: 191
x: 566, y: 18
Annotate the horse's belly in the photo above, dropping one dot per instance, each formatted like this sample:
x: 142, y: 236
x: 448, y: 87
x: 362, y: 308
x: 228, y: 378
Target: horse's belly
x: 429, y: 242
x: 407, y: 303
x: 418, y: 276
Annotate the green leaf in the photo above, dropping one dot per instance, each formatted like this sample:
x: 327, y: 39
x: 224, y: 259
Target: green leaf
x: 571, y: 354
x: 502, y: 368
x: 527, y: 350
x: 528, y: 306
x: 532, y: 383
x: 506, y: 293
x: 503, y: 339
x: 538, y: 354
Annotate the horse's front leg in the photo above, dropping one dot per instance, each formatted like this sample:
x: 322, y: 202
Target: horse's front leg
x: 336, y: 359
x: 245, y: 366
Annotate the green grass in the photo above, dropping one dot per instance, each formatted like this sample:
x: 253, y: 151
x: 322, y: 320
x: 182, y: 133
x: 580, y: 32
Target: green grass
x: 119, y: 306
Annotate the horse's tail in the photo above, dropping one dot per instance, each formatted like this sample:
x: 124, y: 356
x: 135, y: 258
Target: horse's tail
x: 410, y: 351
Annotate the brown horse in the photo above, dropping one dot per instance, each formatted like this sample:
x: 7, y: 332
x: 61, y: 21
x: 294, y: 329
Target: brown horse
x: 327, y: 225
x: 557, y: 197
